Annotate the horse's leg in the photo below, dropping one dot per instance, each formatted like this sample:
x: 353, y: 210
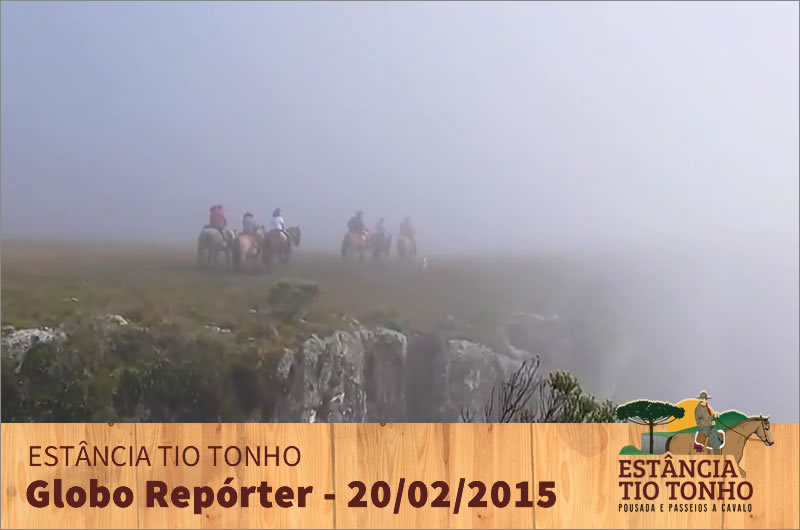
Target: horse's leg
x: 738, y: 453
x: 254, y: 265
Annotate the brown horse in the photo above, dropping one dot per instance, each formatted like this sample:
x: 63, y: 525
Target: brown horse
x: 381, y: 245
x: 734, y: 439
x: 354, y: 243
x: 406, y: 247
x: 279, y: 243
x: 247, y: 248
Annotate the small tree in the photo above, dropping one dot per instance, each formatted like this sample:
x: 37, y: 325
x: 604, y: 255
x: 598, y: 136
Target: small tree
x: 524, y: 397
x: 651, y: 413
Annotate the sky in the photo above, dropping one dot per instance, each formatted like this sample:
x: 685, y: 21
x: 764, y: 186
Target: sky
x: 498, y: 127
x: 493, y: 125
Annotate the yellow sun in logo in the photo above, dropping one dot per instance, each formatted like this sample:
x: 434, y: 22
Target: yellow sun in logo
x: 688, y: 421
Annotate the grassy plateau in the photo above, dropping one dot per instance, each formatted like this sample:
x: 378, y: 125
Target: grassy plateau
x: 172, y: 363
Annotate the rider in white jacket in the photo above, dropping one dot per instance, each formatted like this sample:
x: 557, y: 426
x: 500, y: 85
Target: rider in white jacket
x: 277, y: 220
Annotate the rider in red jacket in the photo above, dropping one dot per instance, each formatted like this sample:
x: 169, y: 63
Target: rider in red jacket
x: 217, y: 218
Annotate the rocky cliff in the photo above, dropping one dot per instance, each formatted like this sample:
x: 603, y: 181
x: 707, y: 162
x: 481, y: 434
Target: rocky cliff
x: 380, y: 375
x: 359, y: 375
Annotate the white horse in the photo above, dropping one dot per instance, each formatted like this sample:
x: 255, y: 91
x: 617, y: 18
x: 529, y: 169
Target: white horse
x: 211, y: 242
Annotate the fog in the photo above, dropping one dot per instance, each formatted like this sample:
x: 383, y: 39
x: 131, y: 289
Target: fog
x: 662, y: 137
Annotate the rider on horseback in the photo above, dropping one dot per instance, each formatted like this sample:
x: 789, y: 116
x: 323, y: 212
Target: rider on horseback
x: 277, y: 222
x: 356, y: 224
x: 407, y: 231
x: 705, y: 425
x: 248, y: 224
x: 217, y: 218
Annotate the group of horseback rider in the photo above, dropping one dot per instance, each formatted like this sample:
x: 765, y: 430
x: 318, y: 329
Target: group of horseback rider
x: 356, y: 225
x: 253, y: 244
x: 217, y: 220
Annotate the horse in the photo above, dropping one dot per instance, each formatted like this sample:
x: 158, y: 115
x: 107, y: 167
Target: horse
x: 406, y: 247
x: 381, y: 245
x: 734, y: 439
x: 211, y: 242
x: 279, y: 243
x: 354, y: 243
x: 248, y: 247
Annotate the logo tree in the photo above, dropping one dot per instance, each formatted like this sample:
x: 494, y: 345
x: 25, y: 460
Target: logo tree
x: 651, y: 413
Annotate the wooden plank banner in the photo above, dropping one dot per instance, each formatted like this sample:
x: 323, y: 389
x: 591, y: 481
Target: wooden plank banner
x: 384, y: 476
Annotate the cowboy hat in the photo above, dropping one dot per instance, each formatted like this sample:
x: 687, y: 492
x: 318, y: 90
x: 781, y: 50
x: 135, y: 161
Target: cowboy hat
x: 703, y: 395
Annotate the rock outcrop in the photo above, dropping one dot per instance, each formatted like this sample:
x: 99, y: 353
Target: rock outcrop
x: 363, y: 374
x: 382, y: 375
x: 16, y: 342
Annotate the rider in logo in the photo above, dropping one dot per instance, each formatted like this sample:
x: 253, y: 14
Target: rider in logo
x: 705, y: 425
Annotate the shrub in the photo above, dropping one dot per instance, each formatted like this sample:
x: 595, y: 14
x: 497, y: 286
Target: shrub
x: 125, y: 374
x: 524, y: 397
x: 290, y: 299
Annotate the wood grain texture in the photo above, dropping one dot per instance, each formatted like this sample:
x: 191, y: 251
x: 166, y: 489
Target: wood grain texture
x: 314, y: 469
x: 582, y: 459
x: 429, y: 452
x: 15, y: 442
x: 774, y: 473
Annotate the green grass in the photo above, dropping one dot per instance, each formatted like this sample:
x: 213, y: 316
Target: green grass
x: 153, y: 284
x: 730, y: 418
x: 631, y: 450
x: 178, y: 370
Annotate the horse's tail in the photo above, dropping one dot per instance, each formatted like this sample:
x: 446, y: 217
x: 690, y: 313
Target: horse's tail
x: 666, y: 446
x: 200, y: 248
